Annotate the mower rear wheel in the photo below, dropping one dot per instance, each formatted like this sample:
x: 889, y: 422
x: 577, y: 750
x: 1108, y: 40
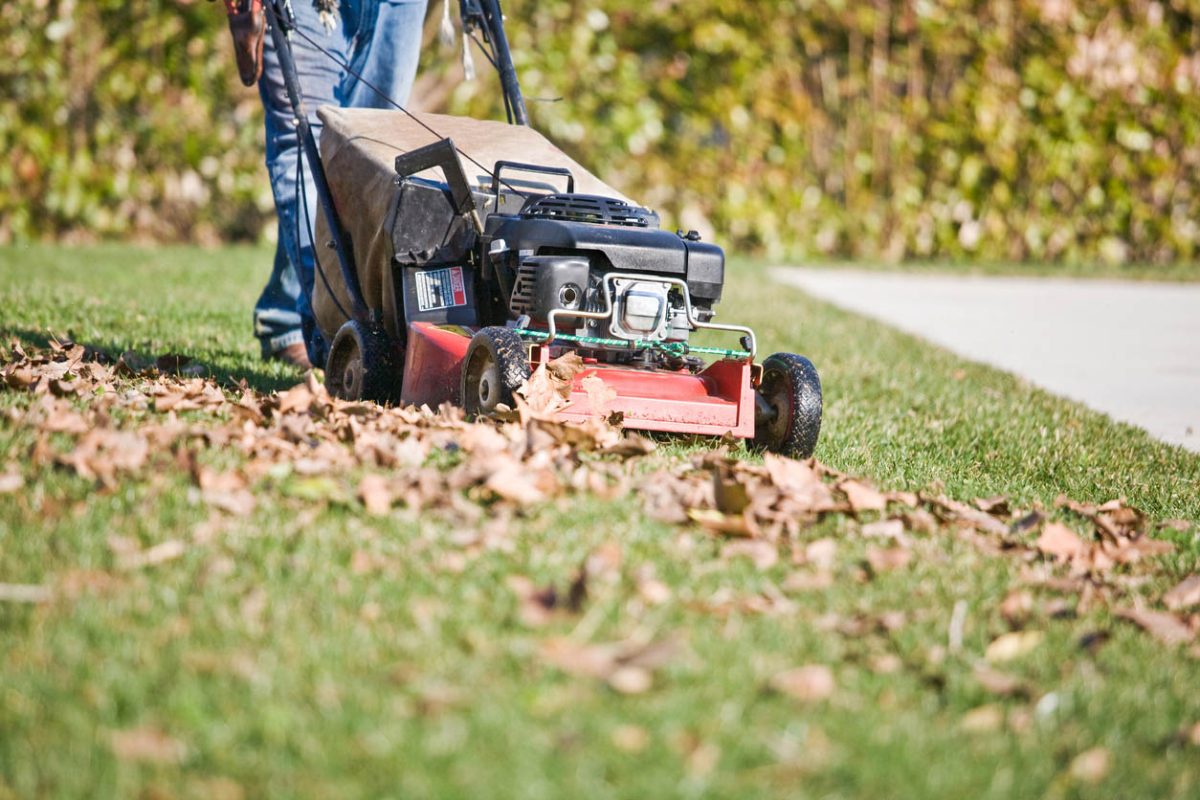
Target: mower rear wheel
x: 497, y: 364
x: 788, y: 418
x: 364, y: 363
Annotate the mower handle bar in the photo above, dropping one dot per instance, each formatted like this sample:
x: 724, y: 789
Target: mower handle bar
x: 522, y: 167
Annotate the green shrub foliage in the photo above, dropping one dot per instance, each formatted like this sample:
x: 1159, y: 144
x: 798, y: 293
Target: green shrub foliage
x: 997, y: 129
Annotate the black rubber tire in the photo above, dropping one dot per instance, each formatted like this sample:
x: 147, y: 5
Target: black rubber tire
x: 791, y: 390
x: 497, y: 364
x: 364, y: 363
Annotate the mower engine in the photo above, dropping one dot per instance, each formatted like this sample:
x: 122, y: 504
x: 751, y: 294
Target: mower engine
x: 601, y: 271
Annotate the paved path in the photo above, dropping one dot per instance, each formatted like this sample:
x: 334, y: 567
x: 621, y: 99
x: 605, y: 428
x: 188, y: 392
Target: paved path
x: 1129, y: 349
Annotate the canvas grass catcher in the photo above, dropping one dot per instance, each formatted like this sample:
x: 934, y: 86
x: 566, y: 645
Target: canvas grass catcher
x: 469, y: 252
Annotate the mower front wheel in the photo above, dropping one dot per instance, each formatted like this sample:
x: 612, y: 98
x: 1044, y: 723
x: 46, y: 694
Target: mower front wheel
x: 497, y: 364
x: 364, y: 363
x: 788, y: 415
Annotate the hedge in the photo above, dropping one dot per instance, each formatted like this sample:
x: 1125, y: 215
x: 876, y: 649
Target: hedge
x: 1050, y: 130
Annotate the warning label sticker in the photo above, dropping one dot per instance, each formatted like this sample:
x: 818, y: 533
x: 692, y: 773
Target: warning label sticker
x: 440, y: 288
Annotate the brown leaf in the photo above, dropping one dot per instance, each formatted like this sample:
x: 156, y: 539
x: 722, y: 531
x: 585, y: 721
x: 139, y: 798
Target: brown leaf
x: 984, y: 719
x: 11, y: 482
x: 25, y: 593
x: 1163, y: 626
x: 236, y: 501
x: 1000, y: 683
x: 147, y: 744
x: 1090, y: 766
x: 1060, y: 542
x: 1185, y: 594
x: 727, y: 524
x: 158, y: 554
x: 762, y: 553
x: 997, y: 506
x: 885, y: 529
x: 862, y: 497
x: 809, y: 683
x: 537, y: 606
x: 973, y: 516
x: 629, y: 663
x: 514, y: 481
x: 600, y: 395
x: 1011, y: 646
x: 886, y: 559
x: 375, y: 494
x: 1016, y: 607
x: 822, y: 553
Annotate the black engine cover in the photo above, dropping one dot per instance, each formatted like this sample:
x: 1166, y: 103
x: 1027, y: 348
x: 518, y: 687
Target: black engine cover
x: 618, y: 247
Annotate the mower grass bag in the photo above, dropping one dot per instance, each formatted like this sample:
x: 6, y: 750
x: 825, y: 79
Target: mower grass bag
x: 358, y: 150
x: 483, y: 251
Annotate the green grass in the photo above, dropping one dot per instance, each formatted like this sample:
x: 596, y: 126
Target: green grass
x: 285, y: 672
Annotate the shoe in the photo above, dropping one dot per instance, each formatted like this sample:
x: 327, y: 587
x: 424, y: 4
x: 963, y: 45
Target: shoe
x: 294, y: 354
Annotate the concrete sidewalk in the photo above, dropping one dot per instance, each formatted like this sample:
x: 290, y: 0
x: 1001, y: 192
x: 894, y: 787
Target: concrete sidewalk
x: 1128, y: 349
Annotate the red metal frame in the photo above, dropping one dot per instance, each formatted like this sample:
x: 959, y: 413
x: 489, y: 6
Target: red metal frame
x: 715, y: 401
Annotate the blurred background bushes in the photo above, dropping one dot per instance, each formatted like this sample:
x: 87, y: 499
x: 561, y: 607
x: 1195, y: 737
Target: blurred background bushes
x: 1056, y: 130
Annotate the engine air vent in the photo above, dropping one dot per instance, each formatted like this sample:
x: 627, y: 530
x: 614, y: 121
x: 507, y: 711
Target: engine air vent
x: 521, y: 301
x: 592, y: 209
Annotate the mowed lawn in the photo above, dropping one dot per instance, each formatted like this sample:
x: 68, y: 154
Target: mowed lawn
x: 265, y: 661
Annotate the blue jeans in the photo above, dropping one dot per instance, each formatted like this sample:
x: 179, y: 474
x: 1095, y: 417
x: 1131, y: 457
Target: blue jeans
x: 381, y: 41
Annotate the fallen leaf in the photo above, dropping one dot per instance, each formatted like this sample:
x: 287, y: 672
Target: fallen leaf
x: 11, y: 482
x: 885, y: 529
x: 999, y: 683
x: 809, y: 683
x: 1011, y: 646
x: 375, y: 495
x: 1016, y: 607
x: 1090, y: 766
x: 158, y: 554
x: 630, y: 738
x: 1163, y: 626
x: 1185, y: 594
x: 1059, y: 541
x: 147, y: 744
x: 631, y: 680
x: 25, y: 593
x: 600, y: 395
x: 822, y: 553
x: 886, y: 559
x: 762, y: 553
x: 862, y: 497
x: 984, y: 719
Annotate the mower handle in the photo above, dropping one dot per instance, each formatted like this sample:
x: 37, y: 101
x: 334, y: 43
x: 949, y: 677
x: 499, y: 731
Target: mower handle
x: 517, y: 165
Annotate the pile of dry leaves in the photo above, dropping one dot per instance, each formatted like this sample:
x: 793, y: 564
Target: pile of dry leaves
x: 106, y: 420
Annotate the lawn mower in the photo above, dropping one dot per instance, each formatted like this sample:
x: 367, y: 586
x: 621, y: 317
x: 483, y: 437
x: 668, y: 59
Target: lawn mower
x: 470, y: 252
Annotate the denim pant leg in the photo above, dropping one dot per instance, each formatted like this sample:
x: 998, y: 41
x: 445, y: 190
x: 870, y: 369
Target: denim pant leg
x: 387, y: 47
x: 276, y: 320
x: 286, y: 300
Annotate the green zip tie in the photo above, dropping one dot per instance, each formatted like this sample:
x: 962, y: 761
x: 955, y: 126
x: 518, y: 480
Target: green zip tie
x: 671, y: 348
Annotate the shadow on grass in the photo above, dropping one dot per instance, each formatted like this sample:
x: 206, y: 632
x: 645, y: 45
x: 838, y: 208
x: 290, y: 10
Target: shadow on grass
x: 265, y: 377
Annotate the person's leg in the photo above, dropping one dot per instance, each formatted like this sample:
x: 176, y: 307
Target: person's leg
x: 295, y: 200
x: 386, y: 50
x: 276, y: 320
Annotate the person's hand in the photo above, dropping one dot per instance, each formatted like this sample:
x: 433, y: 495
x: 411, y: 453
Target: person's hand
x: 248, y: 24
